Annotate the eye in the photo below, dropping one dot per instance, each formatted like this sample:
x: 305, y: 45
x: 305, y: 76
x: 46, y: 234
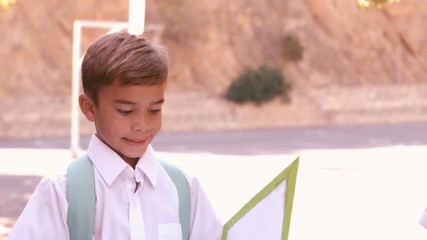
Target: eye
x: 124, y: 112
x: 155, y: 111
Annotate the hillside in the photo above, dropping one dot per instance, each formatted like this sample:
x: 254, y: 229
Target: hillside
x: 210, y: 43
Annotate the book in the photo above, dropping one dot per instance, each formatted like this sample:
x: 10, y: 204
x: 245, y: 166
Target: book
x: 252, y: 195
x: 268, y: 214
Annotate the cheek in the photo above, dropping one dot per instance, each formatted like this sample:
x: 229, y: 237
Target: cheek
x: 159, y: 123
x: 111, y: 123
x: 158, y: 127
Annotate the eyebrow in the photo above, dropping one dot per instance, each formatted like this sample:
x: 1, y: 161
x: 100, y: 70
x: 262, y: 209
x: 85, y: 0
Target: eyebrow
x: 159, y: 101
x: 122, y: 101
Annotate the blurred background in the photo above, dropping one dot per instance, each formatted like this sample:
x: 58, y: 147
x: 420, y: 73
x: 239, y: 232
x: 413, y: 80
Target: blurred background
x: 248, y: 78
x: 344, y: 64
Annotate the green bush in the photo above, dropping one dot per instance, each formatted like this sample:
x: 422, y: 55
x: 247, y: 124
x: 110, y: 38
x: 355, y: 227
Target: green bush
x: 292, y: 48
x: 258, y: 86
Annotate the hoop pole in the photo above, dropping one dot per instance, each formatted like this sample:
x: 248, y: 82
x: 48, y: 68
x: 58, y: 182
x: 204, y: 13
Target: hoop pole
x: 136, y: 17
x: 75, y: 148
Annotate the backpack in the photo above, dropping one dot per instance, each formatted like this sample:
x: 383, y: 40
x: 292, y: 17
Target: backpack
x: 81, y: 198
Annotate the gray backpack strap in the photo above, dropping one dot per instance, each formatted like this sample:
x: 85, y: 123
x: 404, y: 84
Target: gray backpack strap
x: 184, y: 196
x: 81, y: 199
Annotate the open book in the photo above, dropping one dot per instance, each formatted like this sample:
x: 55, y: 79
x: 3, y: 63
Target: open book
x: 249, y: 199
x: 268, y: 214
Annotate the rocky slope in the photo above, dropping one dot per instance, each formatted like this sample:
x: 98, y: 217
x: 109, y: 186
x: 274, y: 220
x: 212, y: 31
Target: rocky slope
x: 211, y: 42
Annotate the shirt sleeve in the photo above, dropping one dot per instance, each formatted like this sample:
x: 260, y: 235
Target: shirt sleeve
x: 204, y: 222
x: 45, y: 215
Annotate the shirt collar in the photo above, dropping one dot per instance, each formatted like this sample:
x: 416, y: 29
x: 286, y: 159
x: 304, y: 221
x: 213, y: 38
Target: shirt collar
x: 110, y: 164
x: 149, y: 164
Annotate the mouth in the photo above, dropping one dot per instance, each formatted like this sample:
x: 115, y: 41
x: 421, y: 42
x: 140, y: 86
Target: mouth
x: 136, y: 141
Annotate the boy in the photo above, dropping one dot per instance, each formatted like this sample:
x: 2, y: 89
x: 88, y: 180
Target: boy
x: 124, y: 80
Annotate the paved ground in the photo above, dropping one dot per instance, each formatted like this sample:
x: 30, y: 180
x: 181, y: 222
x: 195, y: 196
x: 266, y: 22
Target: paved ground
x: 269, y: 141
x: 353, y: 182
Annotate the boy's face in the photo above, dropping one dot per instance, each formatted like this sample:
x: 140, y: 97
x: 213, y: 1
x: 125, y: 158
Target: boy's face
x: 127, y: 118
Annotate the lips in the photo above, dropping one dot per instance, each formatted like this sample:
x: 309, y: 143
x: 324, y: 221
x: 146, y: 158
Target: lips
x: 136, y: 141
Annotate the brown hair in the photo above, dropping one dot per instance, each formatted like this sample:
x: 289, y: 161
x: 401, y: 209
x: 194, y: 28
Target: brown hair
x: 122, y: 57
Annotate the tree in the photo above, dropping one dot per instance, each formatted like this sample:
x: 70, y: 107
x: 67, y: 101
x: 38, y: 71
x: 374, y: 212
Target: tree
x: 365, y: 4
x: 6, y: 3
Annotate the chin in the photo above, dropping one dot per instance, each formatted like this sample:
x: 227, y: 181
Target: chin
x: 136, y: 154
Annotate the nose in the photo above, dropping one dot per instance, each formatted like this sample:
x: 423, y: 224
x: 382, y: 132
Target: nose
x: 136, y: 127
x: 141, y: 124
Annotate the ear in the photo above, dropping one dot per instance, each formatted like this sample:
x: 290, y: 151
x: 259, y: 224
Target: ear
x: 87, y: 106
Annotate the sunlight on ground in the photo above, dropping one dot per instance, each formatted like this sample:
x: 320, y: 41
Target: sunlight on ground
x: 347, y: 194
x: 4, y: 231
x: 33, y: 161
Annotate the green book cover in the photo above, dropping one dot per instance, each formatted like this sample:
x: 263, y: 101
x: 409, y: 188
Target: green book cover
x: 268, y: 214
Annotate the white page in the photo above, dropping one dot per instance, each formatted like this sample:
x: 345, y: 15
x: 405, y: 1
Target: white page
x: 264, y: 220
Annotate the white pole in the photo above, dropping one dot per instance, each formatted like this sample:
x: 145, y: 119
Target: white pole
x: 75, y: 89
x: 136, y: 16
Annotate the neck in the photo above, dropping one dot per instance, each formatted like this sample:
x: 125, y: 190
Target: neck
x: 131, y: 161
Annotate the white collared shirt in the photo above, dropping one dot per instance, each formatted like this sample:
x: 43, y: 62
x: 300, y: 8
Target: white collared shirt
x: 124, y: 209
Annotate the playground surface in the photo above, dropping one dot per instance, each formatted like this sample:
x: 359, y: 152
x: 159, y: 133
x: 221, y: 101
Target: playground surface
x: 366, y: 193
